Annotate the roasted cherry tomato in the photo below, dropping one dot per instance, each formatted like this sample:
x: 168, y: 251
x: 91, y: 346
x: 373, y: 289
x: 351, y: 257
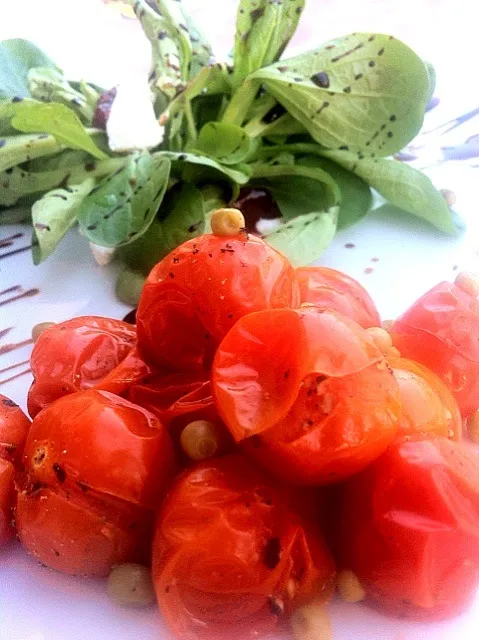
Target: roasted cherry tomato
x: 441, y: 330
x: 314, y: 386
x: 231, y: 553
x: 14, y: 426
x: 196, y: 294
x: 335, y: 290
x: 428, y: 407
x: 179, y: 399
x: 96, y: 468
x: 75, y: 355
x: 410, y: 528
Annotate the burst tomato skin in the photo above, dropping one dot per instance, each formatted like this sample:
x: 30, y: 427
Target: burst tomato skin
x: 231, y: 553
x: 428, y: 407
x: 76, y: 355
x: 335, y: 290
x: 14, y: 426
x: 409, y: 528
x: 314, y: 392
x: 196, y: 294
x: 441, y: 331
x: 96, y: 468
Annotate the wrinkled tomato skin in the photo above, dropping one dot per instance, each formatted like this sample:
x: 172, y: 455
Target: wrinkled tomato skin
x: 333, y: 430
x: 428, y: 407
x: 7, y: 476
x: 178, y: 399
x: 335, y: 290
x: 96, y: 468
x: 196, y: 294
x: 441, y: 331
x: 231, y: 553
x: 76, y: 355
x: 14, y: 426
x: 312, y: 400
x: 409, y: 529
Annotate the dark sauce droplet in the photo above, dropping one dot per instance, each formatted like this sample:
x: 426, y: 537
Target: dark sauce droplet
x: 320, y: 79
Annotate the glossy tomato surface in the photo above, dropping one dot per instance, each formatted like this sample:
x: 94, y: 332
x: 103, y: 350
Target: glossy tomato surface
x: 14, y: 426
x: 96, y: 468
x: 313, y: 389
x: 231, y: 554
x: 428, y: 407
x: 196, y: 294
x: 76, y: 355
x: 410, y: 528
x: 335, y: 290
x: 441, y: 330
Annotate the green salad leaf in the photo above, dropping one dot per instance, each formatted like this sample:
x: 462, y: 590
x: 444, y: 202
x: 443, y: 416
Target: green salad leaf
x: 231, y: 173
x: 365, y: 93
x: 17, y: 57
x: 53, y: 215
x: 124, y: 204
x: 18, y: 182
x: 171, y: 50
x: 263, y: 30
x: 298, y: 189
x: 227, y: 143
x: 17, y: 149
x: 303, y: 239
x: 57, y: 120
x: 404, y: 186
x: 50, y: 85
x: 356, y: 195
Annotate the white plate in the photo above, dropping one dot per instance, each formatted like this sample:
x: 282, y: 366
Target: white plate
x: 39, y: 604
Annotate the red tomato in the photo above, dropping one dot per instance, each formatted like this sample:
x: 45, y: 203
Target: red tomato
x: 76, y: 355
x: 428, y: 407
x: 129, y: 372
x: 231, y: 554
x: 196, y: 294
x: 410, y: 528
x: 335, y: 290
x: 96, y: 467
x: 178, y: 399
x: 441, y: 331
x: 14, y: 426
x: 314, y: 385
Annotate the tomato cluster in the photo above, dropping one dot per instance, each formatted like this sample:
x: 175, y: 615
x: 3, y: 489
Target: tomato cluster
x: 201, y: 440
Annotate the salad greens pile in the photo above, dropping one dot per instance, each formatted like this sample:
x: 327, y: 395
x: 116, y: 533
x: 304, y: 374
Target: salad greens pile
x: 317, y: 131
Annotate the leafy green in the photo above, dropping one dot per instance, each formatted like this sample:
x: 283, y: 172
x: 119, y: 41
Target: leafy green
x: 263, y: 29
x: 403, y: 186
x: 303, y: 239
x: 53, y: 215
x: 57, y: 120
x: 50, y: 85
x: 17, y: 57
x: 183, y: 218
x: 356, y: 196
x: 171, y: 49
x: 210, y: 81
x: 227, y: 143
x: 431, y: 72
x: 190, y: 158
x: 298, y: 189
x: 365, y: 92
x: 17, y: 182
x: 129, y: 285
x: 123, y: 205
x: 19, y: 149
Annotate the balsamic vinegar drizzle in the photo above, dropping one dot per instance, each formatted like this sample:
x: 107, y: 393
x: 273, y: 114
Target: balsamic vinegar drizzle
x: 25, y: 294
